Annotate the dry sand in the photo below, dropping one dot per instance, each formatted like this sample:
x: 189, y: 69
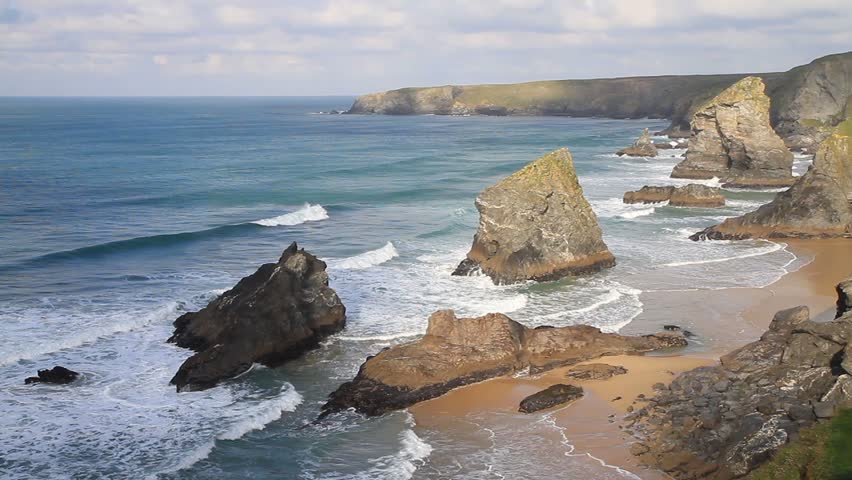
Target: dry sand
x: 724, y: 319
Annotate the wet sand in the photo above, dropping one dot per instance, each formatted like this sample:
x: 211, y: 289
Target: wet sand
x: 722, y: 319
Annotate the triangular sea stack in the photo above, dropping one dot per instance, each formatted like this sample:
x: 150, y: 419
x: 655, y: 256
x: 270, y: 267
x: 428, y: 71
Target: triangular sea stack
x: 536, y: 225
x: 732, y: 139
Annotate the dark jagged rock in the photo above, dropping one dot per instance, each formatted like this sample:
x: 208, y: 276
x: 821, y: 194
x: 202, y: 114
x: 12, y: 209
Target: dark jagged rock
x: 273, y: 315
x: 456, y: 352
x: 56, y: 375
x: 537, y: 225
x: 733, y: 140
x: 817, y: 206
x: 844, y: 296
x: 692, y: 195
x: 550, y: 397
x: 806, y: 101
x: 721, y: 422
x: 595, y: 371
x: 642, y: 147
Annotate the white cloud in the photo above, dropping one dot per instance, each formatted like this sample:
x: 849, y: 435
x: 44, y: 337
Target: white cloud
x: 236, y: 16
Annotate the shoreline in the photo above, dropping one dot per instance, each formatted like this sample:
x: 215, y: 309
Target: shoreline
x: 723, y: 319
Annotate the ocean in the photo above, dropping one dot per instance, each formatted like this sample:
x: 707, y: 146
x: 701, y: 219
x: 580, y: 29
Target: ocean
x: 119, y: 214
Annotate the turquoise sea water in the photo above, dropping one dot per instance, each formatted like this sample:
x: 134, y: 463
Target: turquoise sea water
x: 117, y: 215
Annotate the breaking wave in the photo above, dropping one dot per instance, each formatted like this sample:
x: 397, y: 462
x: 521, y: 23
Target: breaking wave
x: 308, y: 213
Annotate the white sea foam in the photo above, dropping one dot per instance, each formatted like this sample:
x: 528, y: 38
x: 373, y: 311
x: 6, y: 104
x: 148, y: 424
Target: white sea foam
x: 308, y: 213
x: 638, y: 213
x: 367, y: 259
x: 378, y: 338
x: 257, y: 418
x: 403, y: 464
x: 754, y: 253
x: 129, y: 323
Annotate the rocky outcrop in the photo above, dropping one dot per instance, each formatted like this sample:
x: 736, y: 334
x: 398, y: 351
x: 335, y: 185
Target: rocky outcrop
x: 721, y: 422
x: 692, y: 195
x: 550, y: 397
x: 844, y: 297
x: 679, y: 143
x: 642, y: 147
x: 273, y: 315
x: 456, y: 352
x: 56, y: 375
x: 537, y: 225
x: 816, y: 206
x: 806, y: 101
x: 595, y: 371
x: 733, y: 140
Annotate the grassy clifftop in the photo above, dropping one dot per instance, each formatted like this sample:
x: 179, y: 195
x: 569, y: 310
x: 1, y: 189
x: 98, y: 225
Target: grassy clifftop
x: 809, y: 92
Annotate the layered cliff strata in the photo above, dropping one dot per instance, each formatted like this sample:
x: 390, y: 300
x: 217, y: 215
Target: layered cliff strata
x: 537, y: 225
x: 692, y: 195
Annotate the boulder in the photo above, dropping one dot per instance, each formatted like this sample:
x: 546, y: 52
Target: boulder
x: 595, y: 371
x: 816, y: 206
x: 456, y: 352
x: 550, y: 397
x: 273, y: 315
x: 642, y: 147
x: 723, y: 421
x: 733, y: 140
x: 536, y: 225
x: 844, y: 297
x: 56, y: 375
x: 692, y: 195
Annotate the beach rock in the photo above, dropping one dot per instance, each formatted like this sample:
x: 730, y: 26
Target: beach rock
x: 733, y: 140
x: 844, y: 296
x: 273, y: 315
x: 550, y: 397
x: 595, y: 371
x: 818, y: 205
x: 642, y: 147
x: 537, y: 225
x: 754, y: 402
x: 456, y: 352
x: 56, y: 375
x: 692, y: 195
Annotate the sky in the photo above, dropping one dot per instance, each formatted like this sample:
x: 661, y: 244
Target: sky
x: 347, y: 47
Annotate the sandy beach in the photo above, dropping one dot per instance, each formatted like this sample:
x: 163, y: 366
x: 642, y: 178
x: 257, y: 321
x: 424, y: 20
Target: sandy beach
x: 722, y: 320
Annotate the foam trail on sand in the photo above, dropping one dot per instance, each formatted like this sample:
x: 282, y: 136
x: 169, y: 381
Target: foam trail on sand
x: 308, y: 213
x: 763, y: 251
x: 367, y: 259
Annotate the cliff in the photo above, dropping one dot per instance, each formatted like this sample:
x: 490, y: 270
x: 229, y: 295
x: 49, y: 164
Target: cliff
x: 805, y: 100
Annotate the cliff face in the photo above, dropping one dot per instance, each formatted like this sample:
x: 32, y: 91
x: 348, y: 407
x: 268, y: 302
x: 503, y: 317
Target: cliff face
x: 805, y: 100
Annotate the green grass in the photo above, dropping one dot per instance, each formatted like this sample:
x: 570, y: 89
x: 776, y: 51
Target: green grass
x: 823, y: 452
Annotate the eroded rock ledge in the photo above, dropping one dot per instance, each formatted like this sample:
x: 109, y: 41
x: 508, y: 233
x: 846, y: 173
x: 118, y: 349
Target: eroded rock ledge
x: 721, y: 422
x: 273, y: 315
x: 642, y: 147
x: 692, y: 195
x: 456, y: 352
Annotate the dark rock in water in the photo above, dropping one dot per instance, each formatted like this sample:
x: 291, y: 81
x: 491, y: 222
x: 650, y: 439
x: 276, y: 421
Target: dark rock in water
x: 692, y: 195
x: 273, y: 315
x: 456, y: 352
x: 721, y: 422
x: 537, y: 225
x: 595, y: 371
x: 58, y: 375
x: 844, y: 296
x: 816, y: 206
x: 733, y: 140
x: 550, y: 397
x: 671, y: 328
x: 642, y: 147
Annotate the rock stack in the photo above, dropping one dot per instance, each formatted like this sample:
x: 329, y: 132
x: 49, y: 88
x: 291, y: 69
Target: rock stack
x: 273, y: 315
x: 536, y: 225
x: 642, y: 147
x: 732, y: 139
